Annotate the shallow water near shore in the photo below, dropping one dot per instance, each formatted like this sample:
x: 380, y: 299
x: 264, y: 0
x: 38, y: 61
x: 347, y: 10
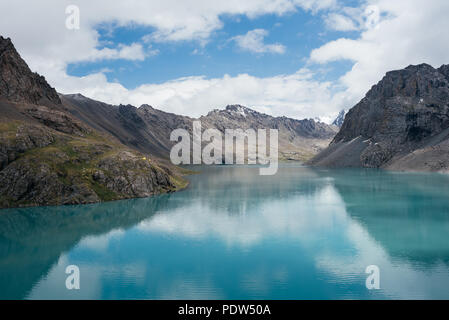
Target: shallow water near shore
x: 233, y: 234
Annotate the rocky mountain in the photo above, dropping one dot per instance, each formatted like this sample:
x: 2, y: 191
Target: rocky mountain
x: 145, y: 129
x: 401, y: 124
x: 340, y: 119
x: 50, y: 157
x: 18, y: 83
x: 298, y: 139
x: 148, y: 129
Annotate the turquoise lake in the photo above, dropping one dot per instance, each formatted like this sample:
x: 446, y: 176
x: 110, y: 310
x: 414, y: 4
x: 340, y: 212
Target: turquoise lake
x: 301, y: 234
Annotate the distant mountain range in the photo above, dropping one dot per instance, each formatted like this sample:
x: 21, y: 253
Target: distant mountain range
x: 401, y: 124
x: 148, y: 129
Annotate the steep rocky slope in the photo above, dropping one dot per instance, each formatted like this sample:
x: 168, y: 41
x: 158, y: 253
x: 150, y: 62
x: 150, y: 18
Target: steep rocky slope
x: 18, y: 83
x: 401, y: 124
x: 50, y: 157
x: 145, y: 129
x: 298, y: 139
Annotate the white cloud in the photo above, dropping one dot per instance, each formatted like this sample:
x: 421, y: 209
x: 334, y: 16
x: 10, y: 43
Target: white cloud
x: 39, y: 33
x: 340, y: 22
x: 296, y: 95
x: 351, y: 19
x: 253, y: 41
x: 409, y: 32
x: 38, y: 28
x: 316, y: 6
x: 134, y: 51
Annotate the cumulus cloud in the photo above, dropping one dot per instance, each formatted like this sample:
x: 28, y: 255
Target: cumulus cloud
x: 289, y: 95
x: 38, y: 28
x: 134, y: 51
x: 253, y: 41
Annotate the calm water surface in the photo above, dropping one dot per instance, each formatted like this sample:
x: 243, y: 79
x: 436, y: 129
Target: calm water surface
x: 302, y: 234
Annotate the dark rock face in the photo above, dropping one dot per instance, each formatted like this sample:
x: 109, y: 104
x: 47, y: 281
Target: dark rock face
x: 27, y: 183
x: 413, y: 101
x: 27, y: 137
x: 406, y: 111
x: 121, y: 179
x: 18, y: 83
x: 130, y: 118
x: 121, y: 175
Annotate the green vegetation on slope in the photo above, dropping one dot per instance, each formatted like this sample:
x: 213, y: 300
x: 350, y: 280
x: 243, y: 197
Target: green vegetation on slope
x: 76, y: 169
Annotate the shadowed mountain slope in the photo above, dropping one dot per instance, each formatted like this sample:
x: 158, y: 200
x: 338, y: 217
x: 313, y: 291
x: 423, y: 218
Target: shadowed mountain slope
x: 401, y: 124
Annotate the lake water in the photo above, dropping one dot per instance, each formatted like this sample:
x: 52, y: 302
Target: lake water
x: 301, y: 234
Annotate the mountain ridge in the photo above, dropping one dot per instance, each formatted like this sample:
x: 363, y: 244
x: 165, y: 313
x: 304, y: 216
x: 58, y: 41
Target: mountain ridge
x: 18, y: 83
x: 50, y: 157
x: 402, y: 123
x: 151, y: 128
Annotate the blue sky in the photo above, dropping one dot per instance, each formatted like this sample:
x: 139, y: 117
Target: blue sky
x: 298, y: 32
x: 295, y: 58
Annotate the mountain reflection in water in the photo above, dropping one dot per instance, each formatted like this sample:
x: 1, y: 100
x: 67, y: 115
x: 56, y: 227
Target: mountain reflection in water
x: 301, y: 234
